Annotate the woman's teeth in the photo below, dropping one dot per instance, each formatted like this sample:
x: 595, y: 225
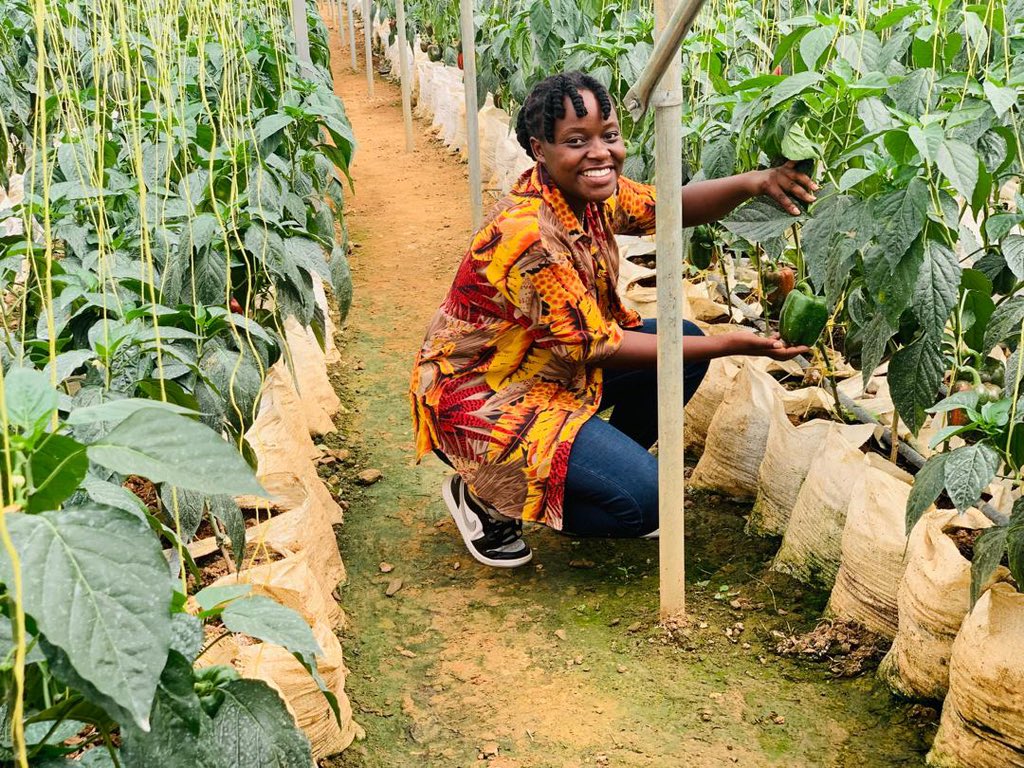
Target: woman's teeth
x: 597, y: 173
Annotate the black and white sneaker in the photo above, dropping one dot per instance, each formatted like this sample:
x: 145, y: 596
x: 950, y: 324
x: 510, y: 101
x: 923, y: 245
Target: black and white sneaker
x: 490, y: 538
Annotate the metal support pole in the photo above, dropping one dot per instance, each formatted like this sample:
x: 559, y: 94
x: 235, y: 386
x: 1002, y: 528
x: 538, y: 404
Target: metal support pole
x: 352, y: 36
x: 472, y: 117
x: 668, y: 116
x: 368, y: 40
x: 403, y: 60
x: 300, y: 24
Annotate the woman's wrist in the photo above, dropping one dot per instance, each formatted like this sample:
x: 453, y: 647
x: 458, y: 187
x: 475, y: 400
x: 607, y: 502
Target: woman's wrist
x: 753, y: 183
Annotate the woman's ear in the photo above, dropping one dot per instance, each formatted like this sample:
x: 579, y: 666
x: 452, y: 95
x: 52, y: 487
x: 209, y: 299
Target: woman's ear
x: 538, y: 149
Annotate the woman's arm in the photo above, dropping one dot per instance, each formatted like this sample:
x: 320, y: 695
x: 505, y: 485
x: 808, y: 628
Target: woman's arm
x: 640, y: 350
x: 711, y: 200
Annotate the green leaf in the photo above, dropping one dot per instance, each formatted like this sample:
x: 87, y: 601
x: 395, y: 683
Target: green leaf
x: 209, y: 598
x: 1005, y: 322
x: 796, y: 145
x: 309, y: 255
x: 1015, y: 541
x: 182, y: 734
x: 958, y: 163
x: 989, y: 549
x: 861, y: 50
x: 271, y: 124
x: 210, y: 271
x: 937, y: 289
x: 58, y: 465
x: 264, y: 619
x: 760, y: 221
x: 116, y: 411
x: 978, y: 307
x: 100, y: 592
x: 1013, y: 253
x: 928, y: 139
x: 237, y: 381
x: 341, y: 281
x: 915, y: 94
x: 168, y: 448
x: 966, y: 399
x: 32, y: 656
x: 792, y: 86
x: 899, y: 218
x: 814, y: 44
x: 893, y: 284
x: 821, y: 235
x: 718, y: 158
x: 915, y: 373
x: 225, y: 509
x: 1002, y: 99
x: 29, y: 399
x: 67, y: 363
x: 255, y: 730
x: 186, y: 635
x: 852, y: 177
x: 876, y: 336
x: 184, y: 509
x: 929, y: 482
x: 969, y: 470
x: 875, y: 115
x: 112, y: 495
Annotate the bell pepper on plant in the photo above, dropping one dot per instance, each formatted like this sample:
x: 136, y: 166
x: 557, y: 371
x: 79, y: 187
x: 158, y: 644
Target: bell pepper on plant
x: 702, y: 246
x: 987, y: 391
x: 804, y: 316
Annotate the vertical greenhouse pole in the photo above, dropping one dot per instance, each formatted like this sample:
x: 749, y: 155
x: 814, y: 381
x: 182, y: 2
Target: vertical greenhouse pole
x: 301, y: 26
x: 368, y: 46
x: 403, y: 60
x: 352, y: 36
x: 472, y: 116
x: 668, y: 117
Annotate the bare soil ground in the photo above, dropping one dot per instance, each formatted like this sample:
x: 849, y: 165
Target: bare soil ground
x: 560, y: 663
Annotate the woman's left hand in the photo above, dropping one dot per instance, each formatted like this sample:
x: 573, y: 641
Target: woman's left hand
x: 781, y: 182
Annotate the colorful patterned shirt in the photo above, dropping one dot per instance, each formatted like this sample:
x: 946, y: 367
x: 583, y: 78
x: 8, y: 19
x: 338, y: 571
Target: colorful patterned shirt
x: 511, y: 365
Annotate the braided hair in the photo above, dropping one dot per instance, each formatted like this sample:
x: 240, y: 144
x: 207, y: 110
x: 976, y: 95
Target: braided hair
x: 546, y: 104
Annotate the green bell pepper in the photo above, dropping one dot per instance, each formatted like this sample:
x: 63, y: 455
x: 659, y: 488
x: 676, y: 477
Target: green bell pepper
x: 804, y: 316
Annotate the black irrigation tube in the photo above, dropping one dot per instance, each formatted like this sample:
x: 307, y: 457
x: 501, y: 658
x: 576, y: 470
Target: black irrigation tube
x: 908, y: 452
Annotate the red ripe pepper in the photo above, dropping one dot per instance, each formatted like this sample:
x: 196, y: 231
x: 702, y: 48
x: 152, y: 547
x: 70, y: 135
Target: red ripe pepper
x: 235, y: 306
x: 460, y: 60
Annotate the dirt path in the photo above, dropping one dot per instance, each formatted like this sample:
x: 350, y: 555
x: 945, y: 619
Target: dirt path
x: 558, y: 664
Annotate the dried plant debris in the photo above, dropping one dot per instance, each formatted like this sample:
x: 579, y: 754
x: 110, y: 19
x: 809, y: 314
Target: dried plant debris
x: 848, y: 648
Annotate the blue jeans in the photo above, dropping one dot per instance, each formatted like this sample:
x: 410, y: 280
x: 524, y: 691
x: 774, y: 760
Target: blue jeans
x: 611, y: 487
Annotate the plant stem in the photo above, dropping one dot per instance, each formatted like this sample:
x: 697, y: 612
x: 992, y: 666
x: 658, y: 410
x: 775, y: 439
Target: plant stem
x: 894, y: 451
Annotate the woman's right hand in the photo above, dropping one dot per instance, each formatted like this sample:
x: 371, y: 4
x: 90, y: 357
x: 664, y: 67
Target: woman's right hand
x: 747, y: 343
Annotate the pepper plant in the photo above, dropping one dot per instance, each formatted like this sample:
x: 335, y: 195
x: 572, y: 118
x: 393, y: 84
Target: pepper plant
x: 183, y: 180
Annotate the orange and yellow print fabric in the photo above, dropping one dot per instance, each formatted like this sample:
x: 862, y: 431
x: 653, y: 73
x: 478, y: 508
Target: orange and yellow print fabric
x: 510, y: 368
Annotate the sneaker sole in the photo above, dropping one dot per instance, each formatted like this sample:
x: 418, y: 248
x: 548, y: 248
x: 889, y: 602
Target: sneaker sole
x: 453, y: 504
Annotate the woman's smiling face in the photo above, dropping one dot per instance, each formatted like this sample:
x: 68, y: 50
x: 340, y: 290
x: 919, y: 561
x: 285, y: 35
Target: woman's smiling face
x: 586, y: 157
